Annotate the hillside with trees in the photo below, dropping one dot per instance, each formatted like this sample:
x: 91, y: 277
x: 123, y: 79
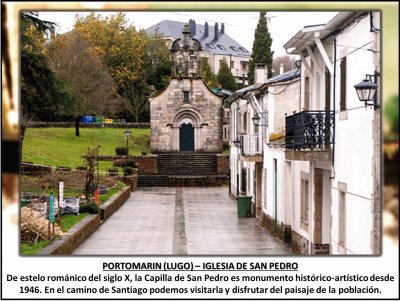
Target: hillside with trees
x: 104, y: 66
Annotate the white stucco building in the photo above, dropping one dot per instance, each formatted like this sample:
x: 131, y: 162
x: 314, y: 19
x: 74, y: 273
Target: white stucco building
x: 344, y: 176
x: 313, y: 164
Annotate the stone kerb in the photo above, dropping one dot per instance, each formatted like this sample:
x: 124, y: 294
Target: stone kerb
x: 74, y: 238
x: 112, y: 205
x: 86, y: 227
x: 34, y: 169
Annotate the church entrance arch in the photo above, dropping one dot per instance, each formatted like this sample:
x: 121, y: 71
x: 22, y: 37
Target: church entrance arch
x: 188, y: 126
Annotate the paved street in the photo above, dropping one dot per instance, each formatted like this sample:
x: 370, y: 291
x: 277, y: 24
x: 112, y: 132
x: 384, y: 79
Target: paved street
x: 175, y: 220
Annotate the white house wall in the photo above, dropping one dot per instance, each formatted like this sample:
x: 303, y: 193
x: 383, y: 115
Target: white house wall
x: 358, y: 225
x: 288, y: 172
x: 354, y: 144
x: 353, y: 153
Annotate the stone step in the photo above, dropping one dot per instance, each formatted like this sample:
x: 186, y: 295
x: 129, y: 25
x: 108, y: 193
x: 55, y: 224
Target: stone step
x: 153, y: 181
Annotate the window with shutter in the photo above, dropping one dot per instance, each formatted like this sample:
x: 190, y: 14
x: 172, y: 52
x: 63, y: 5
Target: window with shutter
x: 343, y: 84
x: 307, y: 94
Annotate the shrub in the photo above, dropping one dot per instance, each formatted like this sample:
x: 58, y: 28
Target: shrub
x: 131, y: 163
x: 119, y: 163
x: 128, y: 171
x: 144, y: 153
x: 90, y: 207
x: 113, y: 172
x: 122, y: 151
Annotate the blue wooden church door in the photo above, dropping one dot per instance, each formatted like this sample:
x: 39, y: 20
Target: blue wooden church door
x: 186, y: 138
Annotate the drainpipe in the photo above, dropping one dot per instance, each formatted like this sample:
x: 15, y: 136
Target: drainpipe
x: 334, y: 105
x: 238, y: 171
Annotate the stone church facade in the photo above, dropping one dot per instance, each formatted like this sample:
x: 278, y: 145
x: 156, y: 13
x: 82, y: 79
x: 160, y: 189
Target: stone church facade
x: 186, y: 116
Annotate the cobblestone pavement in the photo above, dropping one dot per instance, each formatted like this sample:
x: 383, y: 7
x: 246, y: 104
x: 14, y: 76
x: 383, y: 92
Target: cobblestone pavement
x: 179, y: 221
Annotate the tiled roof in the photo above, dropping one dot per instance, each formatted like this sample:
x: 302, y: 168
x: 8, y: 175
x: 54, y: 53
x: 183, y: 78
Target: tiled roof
x: 287, y: 76
x: 248, y: 88
x: 284, y: 77
x: 174, y: 29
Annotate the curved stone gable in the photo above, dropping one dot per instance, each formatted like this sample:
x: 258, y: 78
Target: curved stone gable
x: 202, y: 109
x: 186, y: 116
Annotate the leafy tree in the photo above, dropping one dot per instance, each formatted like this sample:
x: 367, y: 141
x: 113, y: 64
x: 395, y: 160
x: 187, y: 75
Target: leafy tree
x: 208, y: 75
x: 43, y: 94
x: 134, y: 60
x: 157, y: 66
x: 118, y: 44
x: 261, y: 52
x: 391, y: 118
x: 92, y: 84
x: 225, y: 77
x: 136, y: 99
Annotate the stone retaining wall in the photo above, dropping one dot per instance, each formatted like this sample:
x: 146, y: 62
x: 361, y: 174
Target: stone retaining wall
x: 268, y: 223
x: 74, y: 238
x: 112, y: 205
x: 299, y: 244
x: 320, y: 249
x: 34, y: 169
x: 222, y: 164
x: 147, y: 165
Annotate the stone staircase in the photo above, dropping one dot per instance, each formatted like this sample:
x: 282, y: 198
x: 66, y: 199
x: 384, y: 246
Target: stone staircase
x: 154, y: 181
x: 190, y: 164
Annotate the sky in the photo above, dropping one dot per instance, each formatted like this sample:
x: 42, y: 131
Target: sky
x: 239, y: 25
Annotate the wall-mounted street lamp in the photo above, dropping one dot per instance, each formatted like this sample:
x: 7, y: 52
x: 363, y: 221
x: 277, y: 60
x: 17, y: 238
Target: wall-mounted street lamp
x: 257, y: 119
x: 366, y: 90
x: 127, y: 133
x: 236, y: 142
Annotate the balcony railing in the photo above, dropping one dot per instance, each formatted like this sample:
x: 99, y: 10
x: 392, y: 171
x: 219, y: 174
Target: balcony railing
x: 252, y: 146
x: 309, y: 130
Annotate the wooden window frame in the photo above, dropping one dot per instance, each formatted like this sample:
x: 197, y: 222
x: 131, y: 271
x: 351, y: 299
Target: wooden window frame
x: 343, y: 76
x: 304, y: 200
x: 342, y: 191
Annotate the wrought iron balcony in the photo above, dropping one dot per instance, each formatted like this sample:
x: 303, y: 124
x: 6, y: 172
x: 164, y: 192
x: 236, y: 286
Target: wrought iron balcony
x: 252, y: 144
x: 309, y: 130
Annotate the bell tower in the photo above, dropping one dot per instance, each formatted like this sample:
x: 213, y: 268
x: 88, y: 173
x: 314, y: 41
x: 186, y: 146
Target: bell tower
x: 185, y: 56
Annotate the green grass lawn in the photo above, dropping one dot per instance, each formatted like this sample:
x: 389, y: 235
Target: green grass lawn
x: 60, y: 146
x: 69, y: 220
x: 31, y: 249
x: 104, y: 197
